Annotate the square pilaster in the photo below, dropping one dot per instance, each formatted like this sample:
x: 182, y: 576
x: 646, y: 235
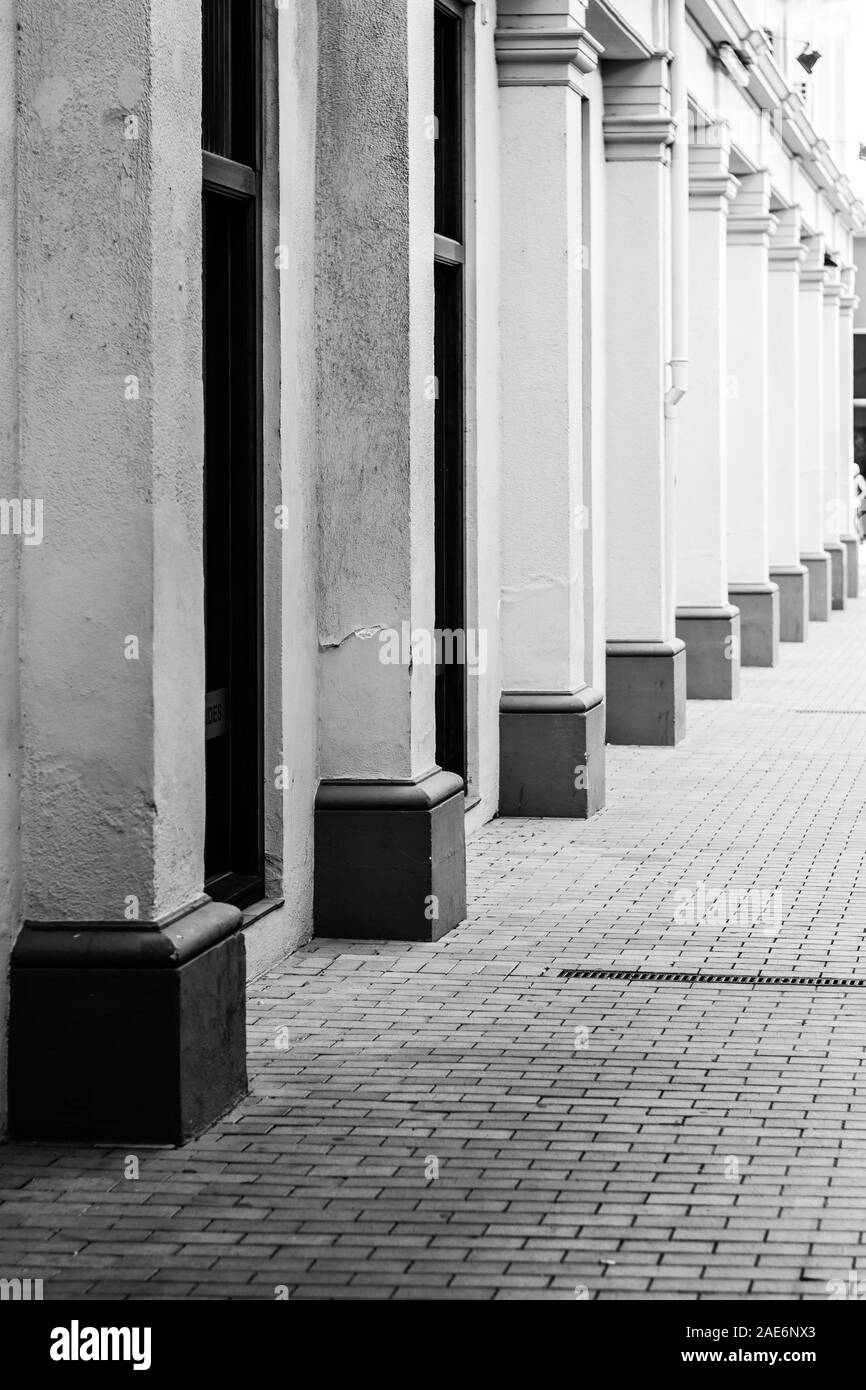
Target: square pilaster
x: 551, y: 725
x: 705, y: 621
x: 646, y: 665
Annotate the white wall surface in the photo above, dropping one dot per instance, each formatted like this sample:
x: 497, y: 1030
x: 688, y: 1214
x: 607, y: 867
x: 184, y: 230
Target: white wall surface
x: 374, y: 316
x: 483, y: 442
x: 10, y: 866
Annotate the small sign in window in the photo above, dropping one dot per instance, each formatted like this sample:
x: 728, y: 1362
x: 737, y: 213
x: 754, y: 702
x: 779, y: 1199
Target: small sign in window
x: 216, y: 714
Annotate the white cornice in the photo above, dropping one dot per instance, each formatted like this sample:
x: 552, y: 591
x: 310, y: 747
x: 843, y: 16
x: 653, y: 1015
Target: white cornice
x: 722, y: 21
x: 711, y: 19
x: 618, y: 38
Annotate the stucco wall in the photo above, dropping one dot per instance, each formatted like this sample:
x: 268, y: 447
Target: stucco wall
x: 109, y: 236
x: 10, y: 869
x: 638, y: 484
x: 374, y: 317
x: 543, y: 340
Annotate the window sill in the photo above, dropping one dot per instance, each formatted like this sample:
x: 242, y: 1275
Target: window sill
x: 261, y: 909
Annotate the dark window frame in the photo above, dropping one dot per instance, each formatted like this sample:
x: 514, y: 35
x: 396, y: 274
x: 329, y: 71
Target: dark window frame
x: 232, y: 197
x: 859, y: 364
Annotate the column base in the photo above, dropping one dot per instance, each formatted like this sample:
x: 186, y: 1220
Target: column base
x: 551, y: 754
x: 793, y: 582
x: 759, y: 622
x: 646, y: 693
x: 852, y: 546
x: 390, y: 859
x: 839, y: 571
x: 820, y: 586
x: 125, y: 1032
x: 712, y: 638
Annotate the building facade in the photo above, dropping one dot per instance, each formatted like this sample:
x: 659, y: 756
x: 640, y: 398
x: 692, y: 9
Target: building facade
x: 425, y: 394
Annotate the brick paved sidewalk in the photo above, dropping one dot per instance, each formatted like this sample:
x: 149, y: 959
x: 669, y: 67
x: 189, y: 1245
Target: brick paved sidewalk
x: 601, y: 1138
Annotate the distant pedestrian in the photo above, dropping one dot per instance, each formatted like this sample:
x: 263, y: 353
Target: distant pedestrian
x: 860, y: 489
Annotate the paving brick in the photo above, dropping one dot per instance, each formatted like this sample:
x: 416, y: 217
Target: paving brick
x: 605, y: 1164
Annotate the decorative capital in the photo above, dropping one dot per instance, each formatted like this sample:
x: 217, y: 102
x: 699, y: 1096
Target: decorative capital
x: 712, y: 186
x: 712, y: 192
x: 787, y: 251
x: 751, y: 229
x: 813, y: 275
x: 750, y: 222
x: 786, y: 257
x: 832, y: 291
x: 641, y: 137
x: 850, y: 299
x: 532, y: 55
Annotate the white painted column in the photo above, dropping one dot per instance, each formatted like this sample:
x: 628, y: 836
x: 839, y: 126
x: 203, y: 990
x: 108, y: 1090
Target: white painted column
x: 552, y: 722
x: 786, y: 569
x: 389, y: 827
x: 127, y: 984
x: 646, y: 661
x: 812, y: 552
x: 376, y: 717
x: 111, y: 440
x: 847, y: 467
x: 750, y: 227
x: 708, y: 624
x: 835, y: 492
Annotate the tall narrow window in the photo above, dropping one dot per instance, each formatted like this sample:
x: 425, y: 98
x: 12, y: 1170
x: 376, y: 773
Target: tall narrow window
x: 232, y: 469
x: 449, y: 289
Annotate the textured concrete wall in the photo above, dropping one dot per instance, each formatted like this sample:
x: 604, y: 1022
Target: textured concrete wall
x: 109, y: 242
x: 374, y: 315
x: 10, y: 546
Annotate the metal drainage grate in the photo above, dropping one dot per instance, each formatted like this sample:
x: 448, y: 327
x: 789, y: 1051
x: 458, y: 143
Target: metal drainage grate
x: 830, y: 711
x: 701, y: 977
